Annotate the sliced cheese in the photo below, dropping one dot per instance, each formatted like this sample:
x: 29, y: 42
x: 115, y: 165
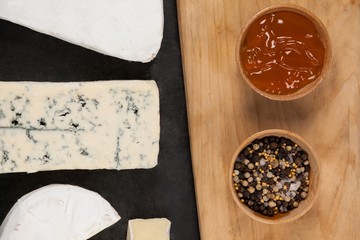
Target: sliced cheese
x: 58, y: 212
x: 88, y: 125
x: 127, y: 29
x: 149, y: 229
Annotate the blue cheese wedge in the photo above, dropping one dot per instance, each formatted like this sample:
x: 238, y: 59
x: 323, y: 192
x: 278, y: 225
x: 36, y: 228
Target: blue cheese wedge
x: 58, y: 212
x: 149, y: 229
x: 88, y: 125
x: 126, y: 29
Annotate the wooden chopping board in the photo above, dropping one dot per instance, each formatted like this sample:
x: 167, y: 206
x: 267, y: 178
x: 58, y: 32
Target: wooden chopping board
x: 223, y: 111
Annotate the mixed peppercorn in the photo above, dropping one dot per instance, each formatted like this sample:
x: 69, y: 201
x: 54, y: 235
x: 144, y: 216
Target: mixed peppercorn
x: 271, y: 175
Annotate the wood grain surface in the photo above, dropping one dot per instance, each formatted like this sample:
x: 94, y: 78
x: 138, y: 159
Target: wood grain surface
x: 223, y: 111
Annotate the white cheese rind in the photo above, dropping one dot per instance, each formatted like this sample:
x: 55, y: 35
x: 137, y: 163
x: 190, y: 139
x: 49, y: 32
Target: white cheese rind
x: 58, y: 212
x: 88, y: 125
x: 127, y: 29
x: 149, y: 229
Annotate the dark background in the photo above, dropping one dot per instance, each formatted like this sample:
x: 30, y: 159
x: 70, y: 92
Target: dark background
x: 164, y: 191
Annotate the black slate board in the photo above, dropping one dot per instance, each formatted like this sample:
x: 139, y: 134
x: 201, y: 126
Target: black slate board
x: 164, y: 191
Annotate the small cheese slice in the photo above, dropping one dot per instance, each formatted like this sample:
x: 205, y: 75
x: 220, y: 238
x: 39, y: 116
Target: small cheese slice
x: 58, y: 212
x: 149, y: 229
x: 78, y: 125
x: 127, y: 29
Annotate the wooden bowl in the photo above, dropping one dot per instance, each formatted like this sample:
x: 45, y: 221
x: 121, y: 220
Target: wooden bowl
x: 314, y: 179
x: 324, y: 36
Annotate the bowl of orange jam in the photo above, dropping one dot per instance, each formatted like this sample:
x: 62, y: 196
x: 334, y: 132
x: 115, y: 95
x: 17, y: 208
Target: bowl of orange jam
x: 284, y: 52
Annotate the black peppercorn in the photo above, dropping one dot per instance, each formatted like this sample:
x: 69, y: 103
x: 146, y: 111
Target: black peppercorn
x: 270, y: 173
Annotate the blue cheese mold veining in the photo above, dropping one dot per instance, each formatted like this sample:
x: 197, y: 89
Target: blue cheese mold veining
x: 78, y: 125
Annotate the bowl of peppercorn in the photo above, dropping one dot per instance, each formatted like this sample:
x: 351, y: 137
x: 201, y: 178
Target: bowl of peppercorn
x: 274, y: 176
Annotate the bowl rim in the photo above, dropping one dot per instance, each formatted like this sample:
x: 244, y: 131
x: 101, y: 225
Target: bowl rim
x: 322, y: 30
x: 280, y: 218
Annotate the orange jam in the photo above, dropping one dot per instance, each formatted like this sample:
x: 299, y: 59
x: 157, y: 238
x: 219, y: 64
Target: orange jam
x: 282, y: 52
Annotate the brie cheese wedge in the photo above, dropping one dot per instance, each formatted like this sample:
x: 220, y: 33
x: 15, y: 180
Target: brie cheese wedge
x: 58, y: 212
x: 126, y: 29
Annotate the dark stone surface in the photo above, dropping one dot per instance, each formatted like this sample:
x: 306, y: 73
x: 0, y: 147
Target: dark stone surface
x: 164, y: 191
